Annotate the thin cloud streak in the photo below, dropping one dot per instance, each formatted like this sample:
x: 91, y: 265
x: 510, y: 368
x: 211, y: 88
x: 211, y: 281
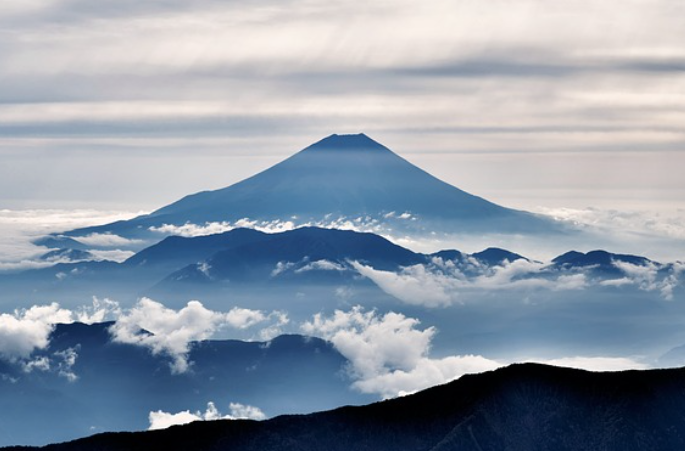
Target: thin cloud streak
x: 497, y: 79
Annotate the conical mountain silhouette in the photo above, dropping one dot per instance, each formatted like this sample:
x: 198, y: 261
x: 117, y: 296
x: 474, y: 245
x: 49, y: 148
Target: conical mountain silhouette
x: 341, y: 175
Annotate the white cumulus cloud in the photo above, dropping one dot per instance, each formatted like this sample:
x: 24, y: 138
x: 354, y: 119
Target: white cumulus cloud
x: 388, y: 354
x: 162, y: 420
x: 171, y: 332
x: 99, y: 311
x: 426, y: 373
x: 26, y: 330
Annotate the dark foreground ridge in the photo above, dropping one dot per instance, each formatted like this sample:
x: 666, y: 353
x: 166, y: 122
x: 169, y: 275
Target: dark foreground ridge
x: 521, y: 407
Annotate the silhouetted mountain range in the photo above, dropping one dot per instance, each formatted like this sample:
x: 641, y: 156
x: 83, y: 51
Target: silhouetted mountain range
x: 522, y: 407
x: 341, y: 175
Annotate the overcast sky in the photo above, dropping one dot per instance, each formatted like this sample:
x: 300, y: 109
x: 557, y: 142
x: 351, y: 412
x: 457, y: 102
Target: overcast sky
x: 132, y: 104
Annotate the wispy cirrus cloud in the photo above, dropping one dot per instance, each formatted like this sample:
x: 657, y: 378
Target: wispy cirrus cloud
x: 85, y: 80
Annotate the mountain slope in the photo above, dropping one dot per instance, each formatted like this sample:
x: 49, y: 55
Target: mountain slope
x: 303, y: 250
x: 600, y: 262
x: 115, y: 385
x: 521, y: 407
x: 341, y: 175
x: 597, y: 258
x: 175, y: 252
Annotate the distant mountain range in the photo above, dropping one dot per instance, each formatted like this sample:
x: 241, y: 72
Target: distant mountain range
x: 304, y: 256
x: 307, y: 256
x: 67, y: 256
x: 87, y: 382
x: 522, y: 407
x: 340, y: 176
x: 491, y: 304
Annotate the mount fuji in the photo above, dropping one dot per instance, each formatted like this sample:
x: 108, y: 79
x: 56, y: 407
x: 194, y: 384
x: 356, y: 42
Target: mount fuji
x: 340, y: 176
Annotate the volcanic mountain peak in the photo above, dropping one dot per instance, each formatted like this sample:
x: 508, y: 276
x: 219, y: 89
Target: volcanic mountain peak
x: 344, y: 176
x: 342, y: 160
x: 352, y: 142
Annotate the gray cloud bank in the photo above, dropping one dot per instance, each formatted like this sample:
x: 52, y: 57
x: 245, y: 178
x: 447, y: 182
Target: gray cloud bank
x: 137, y: 91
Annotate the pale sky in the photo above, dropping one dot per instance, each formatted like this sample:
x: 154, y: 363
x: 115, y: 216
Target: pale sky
x: 529, y: 103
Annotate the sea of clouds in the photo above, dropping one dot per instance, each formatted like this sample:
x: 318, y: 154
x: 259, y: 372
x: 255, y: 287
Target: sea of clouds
x: 18, y: 229
x: 389, y: 353
x: 658, y: 236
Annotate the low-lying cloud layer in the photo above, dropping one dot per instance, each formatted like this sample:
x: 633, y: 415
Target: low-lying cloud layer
x: 18, y: 228
x: 148, y: 323
x: 656, y: 235
x: 390, y: 355
x: 382, y: 224
x: 171, y: 332
x: 162, y: 420
x: 441, y: 282
x: 627, y: 222
x: 26, y: 330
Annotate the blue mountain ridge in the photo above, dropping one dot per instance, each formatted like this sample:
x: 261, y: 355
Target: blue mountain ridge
x: 67, y: 255
x: 117, y: 384
x: 249, y: 256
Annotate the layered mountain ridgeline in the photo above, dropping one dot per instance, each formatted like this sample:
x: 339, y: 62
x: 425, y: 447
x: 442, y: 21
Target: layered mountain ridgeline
x: 239, y: 252
x: 87, y: 381
x: 307, y: 256
x: 521, y: 407
x: 240, y: 256
x: 340, y: 176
